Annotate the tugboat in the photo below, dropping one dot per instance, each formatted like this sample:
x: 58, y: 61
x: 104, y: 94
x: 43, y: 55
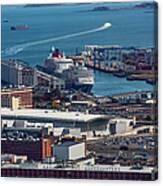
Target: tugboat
x: 75, y: 76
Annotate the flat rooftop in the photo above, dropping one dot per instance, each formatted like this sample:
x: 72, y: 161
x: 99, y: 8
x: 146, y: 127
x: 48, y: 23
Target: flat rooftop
x: 15, y: 90
x: 68, y: 143
x: 49, y: 115
x: 106, y: 168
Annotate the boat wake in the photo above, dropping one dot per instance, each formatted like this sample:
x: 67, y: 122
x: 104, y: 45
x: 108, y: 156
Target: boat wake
x: 18, y: 48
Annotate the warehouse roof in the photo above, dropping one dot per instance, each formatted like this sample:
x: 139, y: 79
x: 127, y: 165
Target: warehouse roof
x: 49, y: 115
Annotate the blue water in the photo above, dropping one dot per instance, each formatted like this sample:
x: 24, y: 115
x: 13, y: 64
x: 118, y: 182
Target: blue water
x: 107, y: 84
x: 129, y: 28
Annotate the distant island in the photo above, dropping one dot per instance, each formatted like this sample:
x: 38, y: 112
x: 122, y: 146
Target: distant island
x: 51, y: 4
x: 41, y: 5
x: 98, y: 8
x: 145, y: 5
x: 81, y: 3
x: 108, y: 8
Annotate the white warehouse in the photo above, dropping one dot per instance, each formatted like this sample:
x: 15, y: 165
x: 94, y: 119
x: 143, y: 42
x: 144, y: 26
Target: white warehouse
x: 120, y: 125
x: 69, y: 150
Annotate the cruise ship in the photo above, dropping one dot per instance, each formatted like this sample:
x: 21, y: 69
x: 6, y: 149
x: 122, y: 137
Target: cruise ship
x: 75, y: 76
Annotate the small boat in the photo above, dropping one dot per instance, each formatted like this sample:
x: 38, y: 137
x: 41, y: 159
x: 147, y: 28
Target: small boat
x: 20, y: 27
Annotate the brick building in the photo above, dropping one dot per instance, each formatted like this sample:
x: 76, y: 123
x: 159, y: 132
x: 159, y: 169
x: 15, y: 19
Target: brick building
x: 26, y: 141
x: 25, y: 96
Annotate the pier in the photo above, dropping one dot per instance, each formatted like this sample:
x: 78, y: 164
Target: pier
x: 132, y: 63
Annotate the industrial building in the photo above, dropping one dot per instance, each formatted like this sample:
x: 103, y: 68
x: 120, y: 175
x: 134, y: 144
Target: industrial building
x: 12, y: 159
x: 17, y: 98
x: 107, y: 55
x: 45, y: 81
x: 69, y: 150
x: 134, y: 97
x: 10, y: 102
x: 16, y: 72
x: 120, y: 125
x: 61, y: 131
x: 84, y: 121
x: 30, y: 142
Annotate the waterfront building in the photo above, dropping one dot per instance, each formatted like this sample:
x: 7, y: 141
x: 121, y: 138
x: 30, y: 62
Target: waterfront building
x: 139, y: 55
x: 16, y: 72
x: 115, y: 58
x: 45, y: 82
x: 107, y: 55
x: 84, y: 121
x: 28, y: 76
x: 134, y: 97
x: 17, y: 98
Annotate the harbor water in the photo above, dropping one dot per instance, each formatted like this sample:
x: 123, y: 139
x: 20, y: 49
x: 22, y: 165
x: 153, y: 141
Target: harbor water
x: 70, y: 27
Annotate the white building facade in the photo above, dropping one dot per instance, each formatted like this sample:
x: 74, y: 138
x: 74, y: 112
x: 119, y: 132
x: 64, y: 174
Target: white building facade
x: 69, y: 151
